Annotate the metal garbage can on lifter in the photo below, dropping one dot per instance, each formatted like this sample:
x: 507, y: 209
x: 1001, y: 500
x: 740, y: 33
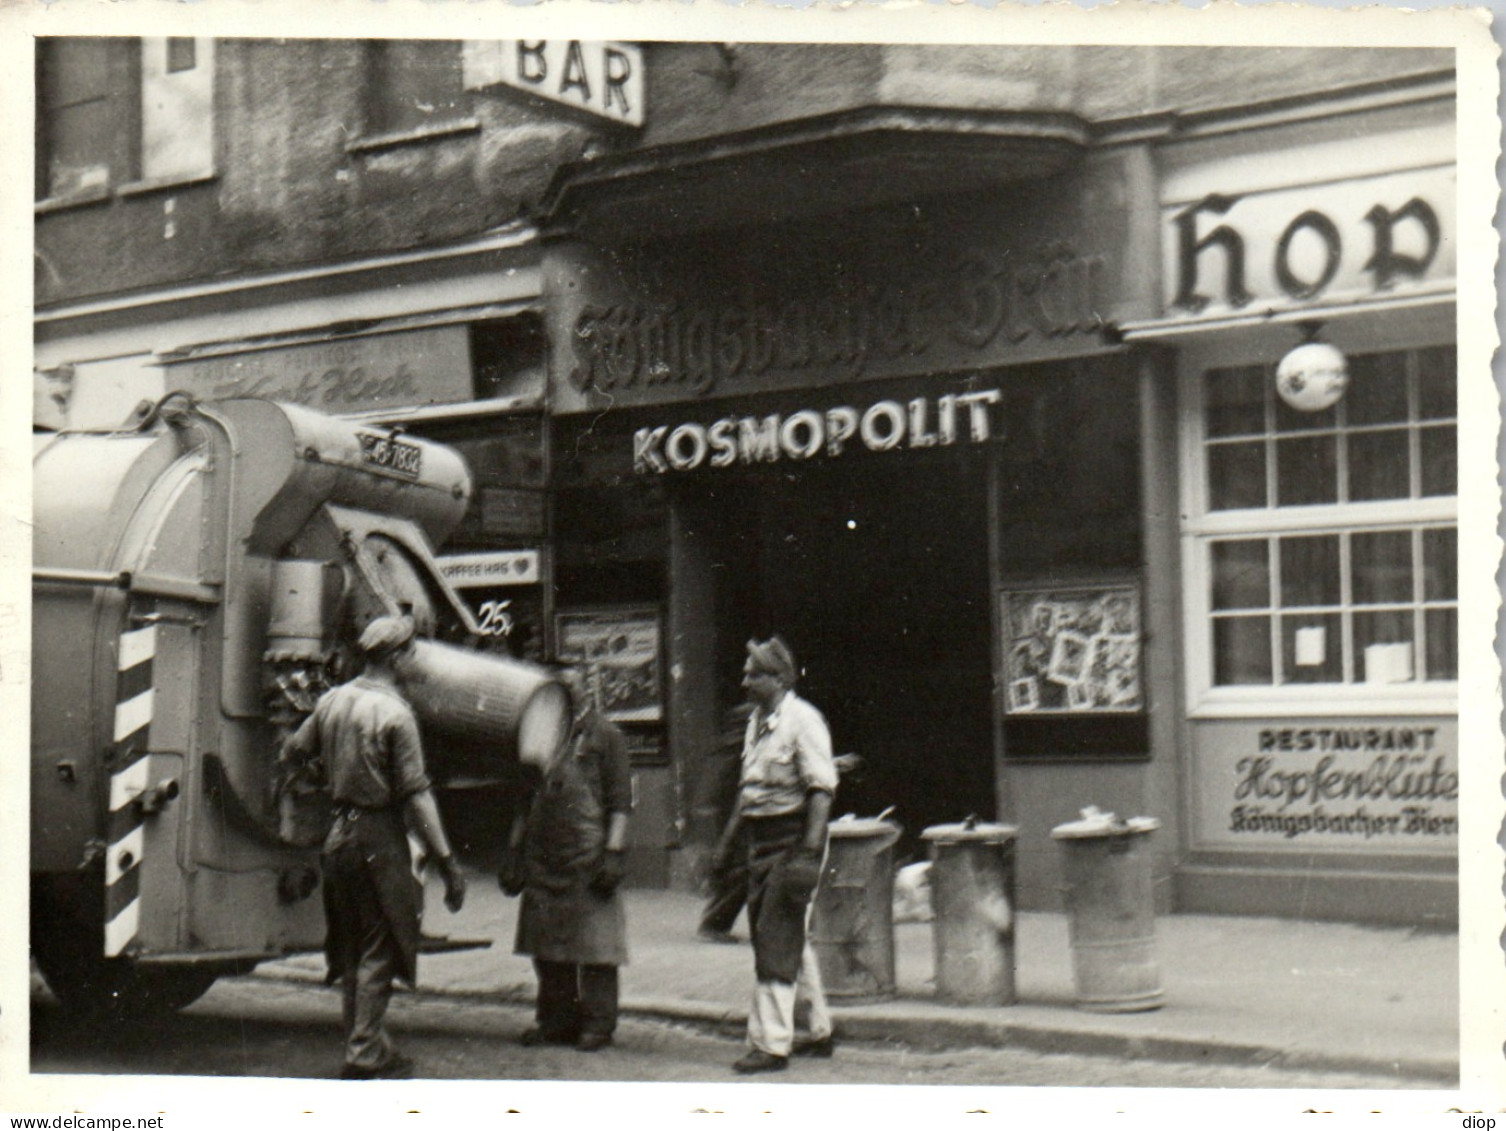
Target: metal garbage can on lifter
x: 852, y: 919
x: 972, y: 893
x: 1110, y: 895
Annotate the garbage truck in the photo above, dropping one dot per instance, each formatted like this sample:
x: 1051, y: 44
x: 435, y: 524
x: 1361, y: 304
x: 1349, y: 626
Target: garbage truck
x: 200, y: 576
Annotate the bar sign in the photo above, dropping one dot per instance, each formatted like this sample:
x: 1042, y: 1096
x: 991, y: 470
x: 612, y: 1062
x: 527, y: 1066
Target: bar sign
x: 605, y: 79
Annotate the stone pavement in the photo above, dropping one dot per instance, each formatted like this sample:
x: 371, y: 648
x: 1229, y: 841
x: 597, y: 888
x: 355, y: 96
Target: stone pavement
x: 1326, y: 996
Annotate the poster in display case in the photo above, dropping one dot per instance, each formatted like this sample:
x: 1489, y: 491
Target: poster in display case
x: 619, y: 648
x: 1072, y: 649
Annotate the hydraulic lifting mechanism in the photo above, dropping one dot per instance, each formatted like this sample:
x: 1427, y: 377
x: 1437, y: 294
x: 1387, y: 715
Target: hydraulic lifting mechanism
x: 200, y: 576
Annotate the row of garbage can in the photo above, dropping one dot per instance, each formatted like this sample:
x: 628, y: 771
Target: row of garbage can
x: 1109, y: 897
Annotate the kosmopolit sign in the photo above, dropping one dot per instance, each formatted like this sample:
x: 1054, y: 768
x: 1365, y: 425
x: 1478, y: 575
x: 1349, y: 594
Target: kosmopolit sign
x: 808, y: 433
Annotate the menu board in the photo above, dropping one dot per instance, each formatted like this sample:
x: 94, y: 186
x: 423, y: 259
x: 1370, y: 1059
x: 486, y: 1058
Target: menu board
x: 1072, y: 649
x: 619, y: 649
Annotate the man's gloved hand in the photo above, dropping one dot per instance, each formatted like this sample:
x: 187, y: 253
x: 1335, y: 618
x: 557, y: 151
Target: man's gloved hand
x: 454, y: 883
x: 609, y: 872
x: 802, y: 872
x: 511, y: 876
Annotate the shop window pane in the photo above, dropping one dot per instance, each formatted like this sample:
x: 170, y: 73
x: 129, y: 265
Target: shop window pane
x: 1437, y: 386
x: 1378, y: 465
x: 1310, y: 571
x: 1383, y: 647
x: 1236, y: 401
x: 1289, y: 419
x: 1236, y: 476
x: 1440, y: 467
x: 1440, y: 564
x: 1306, y: 471
x: 1241, y: 575
x: 1377, y: 392
x: 1443, y: 644
x: 1381, y: 565
x: 1241, y: 650
x: 1312, y: 650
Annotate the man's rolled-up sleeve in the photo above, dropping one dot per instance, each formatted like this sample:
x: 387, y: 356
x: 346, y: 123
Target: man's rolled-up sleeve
x: 813, y: 757
x: 409, y: 776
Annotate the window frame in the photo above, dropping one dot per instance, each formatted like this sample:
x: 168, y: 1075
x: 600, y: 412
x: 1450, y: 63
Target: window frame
x: 376, y: 135
x: 1202, y: 527
x: 125, y: 94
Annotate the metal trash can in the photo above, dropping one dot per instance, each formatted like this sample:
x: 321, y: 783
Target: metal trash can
x: 1110, y: 895
x: 972, y: 892
x: 852, y: 920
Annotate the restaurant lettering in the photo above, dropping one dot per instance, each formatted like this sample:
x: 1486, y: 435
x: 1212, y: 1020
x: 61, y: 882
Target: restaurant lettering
x: 845, y: 330
x: 1338, y: 785
x: 1294, y: 801
x: 923, y: 422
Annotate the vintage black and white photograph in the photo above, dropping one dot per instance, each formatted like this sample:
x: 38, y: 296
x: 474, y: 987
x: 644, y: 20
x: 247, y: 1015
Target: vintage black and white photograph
x: 954, y: 563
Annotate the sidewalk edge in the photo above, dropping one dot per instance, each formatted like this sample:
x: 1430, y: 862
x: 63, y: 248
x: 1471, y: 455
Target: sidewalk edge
x: 969, y: 1032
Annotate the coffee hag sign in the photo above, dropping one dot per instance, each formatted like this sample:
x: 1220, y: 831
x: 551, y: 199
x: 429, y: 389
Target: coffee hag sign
x: 1230, y: 252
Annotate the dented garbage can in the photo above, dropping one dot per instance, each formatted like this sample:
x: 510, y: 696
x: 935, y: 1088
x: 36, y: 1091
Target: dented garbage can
x: 972, y: 895
x: 1110, y: 897
x: 852, y: 919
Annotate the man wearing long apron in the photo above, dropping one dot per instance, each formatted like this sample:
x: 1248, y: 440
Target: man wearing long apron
x: 567, y: 859
x: 784, y: 802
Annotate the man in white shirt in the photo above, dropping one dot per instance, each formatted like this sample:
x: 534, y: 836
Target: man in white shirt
x: 783, y: 805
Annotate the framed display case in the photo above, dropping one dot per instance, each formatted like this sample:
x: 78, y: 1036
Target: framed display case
x: 1072, y: 649
x: 619, y: 646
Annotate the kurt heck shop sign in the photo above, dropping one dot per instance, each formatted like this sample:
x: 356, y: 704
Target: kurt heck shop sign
x: 1345, y: 786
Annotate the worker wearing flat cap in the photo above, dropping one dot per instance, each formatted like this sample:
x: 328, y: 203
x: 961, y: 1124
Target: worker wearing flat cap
x: 367, y: 736
x: 783, y: 804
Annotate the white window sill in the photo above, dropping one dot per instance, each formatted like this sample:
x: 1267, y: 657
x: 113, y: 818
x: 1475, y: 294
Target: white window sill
x: 101, y: 194
x: 163, y: 184
x: 435, y: 130
x: 96, y: 195
x: 1328, y: 702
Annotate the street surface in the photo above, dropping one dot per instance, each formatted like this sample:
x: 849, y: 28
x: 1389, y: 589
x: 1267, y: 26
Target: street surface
x: 258, y: 1027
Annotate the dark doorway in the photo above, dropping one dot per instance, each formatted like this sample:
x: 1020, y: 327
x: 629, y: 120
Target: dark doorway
x: 876, y: 572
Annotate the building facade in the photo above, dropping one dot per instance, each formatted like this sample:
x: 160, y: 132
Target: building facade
x: 957, y: 366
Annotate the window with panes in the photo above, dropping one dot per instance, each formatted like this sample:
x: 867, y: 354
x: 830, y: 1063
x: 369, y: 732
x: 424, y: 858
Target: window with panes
x: 1328, y: 540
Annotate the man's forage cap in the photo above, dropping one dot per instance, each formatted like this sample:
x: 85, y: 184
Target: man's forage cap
x: 773, y: 656
x: 386, y: 634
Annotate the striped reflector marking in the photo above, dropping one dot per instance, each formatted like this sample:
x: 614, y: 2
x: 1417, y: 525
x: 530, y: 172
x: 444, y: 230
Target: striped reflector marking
x: 132, y: 772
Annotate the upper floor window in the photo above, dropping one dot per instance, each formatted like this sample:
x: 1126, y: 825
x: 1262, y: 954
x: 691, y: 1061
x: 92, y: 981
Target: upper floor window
x: 116, y: 111
x: 1323, y: 545
x: 177, y: 108
x: 412, y: 84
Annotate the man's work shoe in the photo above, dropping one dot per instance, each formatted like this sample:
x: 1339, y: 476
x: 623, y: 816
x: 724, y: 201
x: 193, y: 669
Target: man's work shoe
x: 711, y: 934
x: 533, y: 1038
x: 756, y: 1060
x: 397, y: 1068
x: 593, y: 1042
x: 822, y: 1048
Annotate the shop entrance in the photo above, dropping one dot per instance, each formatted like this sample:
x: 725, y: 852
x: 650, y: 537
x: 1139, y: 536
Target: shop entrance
x: 876, y: 572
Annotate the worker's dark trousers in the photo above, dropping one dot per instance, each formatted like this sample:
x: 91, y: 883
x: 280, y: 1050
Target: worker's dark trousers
x: 576, y: 998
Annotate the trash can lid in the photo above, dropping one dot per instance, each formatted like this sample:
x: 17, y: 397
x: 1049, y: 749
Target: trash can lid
x: 970, y: 832
x: 1093, y: 822
x: 850, y: 826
